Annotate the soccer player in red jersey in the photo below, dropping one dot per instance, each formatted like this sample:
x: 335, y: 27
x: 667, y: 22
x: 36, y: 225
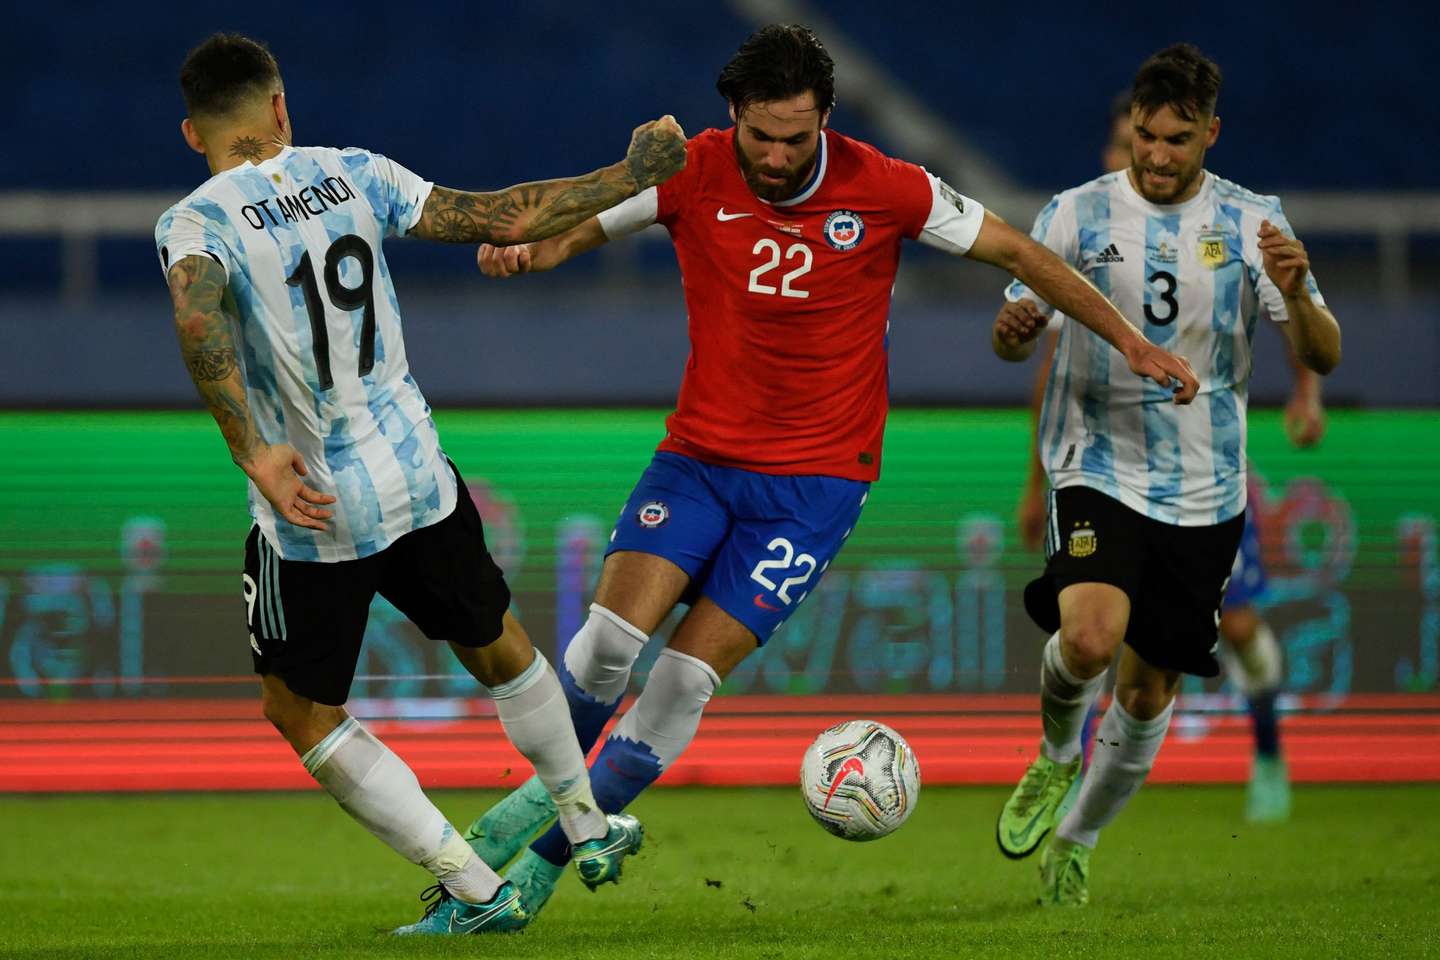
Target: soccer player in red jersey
x: 788, y: 236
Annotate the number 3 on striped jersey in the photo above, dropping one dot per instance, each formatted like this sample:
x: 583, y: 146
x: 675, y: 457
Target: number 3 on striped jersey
x: 764, y: 245
x: 784, y: 547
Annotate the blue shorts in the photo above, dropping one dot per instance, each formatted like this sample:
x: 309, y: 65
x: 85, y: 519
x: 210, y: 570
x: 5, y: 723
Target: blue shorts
x: 1247, y: 576
x: 754, y: 543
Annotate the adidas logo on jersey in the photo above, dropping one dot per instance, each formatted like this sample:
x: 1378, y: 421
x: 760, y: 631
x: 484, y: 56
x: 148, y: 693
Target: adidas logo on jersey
x: 1110, y: 254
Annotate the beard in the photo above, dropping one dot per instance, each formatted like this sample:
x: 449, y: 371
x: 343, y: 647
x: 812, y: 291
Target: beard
x: 774, y: 191
x: 1162, y: 193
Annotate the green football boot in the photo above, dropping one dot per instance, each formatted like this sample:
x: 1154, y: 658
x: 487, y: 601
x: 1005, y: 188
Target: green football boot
x: 535, y: 878
x: 502, y: 913
x: 1064, y: 874
x: 1267, y: 799
x: 506, y: 828
x: 598, y: 861
x: 1034, y: 808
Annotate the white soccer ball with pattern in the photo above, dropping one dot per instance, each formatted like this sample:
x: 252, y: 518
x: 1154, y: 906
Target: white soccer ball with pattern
x: 860, y: 780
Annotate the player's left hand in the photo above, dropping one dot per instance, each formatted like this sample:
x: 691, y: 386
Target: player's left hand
x: 1286, y: 262
x: 1304, y: 421
x: 1148, y: 360
x: 1019, y: 323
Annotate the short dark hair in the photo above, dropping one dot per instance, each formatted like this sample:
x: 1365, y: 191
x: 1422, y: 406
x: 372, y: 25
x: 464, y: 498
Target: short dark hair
x: 1179, y: 77
x: 776, y: 63
x: 224, y: 71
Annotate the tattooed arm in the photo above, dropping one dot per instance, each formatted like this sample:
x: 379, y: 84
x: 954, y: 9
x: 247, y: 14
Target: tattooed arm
x: 210, y: 348
x: 534, y: 211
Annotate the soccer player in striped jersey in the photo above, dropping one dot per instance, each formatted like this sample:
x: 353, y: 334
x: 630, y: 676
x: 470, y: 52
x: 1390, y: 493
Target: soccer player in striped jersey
x: 788, y: 236
x: 1251, y: 652
x: 1148, y: 506
x: 290, y: 327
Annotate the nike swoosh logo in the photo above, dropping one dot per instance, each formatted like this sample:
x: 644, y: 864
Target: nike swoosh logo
x: 722, y: 216
x: 1018, y: 837
x: 615, y: 769
x: 460, y: 926
x: 620, y: 843
x: 854, y: 765
x: 760, y: 602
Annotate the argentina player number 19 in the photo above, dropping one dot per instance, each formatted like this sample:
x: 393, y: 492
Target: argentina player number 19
x: 344, y: 298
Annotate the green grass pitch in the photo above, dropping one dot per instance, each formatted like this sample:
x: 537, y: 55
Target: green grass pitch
x: 734, y: 874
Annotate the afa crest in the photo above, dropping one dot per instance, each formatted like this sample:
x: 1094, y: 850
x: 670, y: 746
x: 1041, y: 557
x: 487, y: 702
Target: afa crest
x: 1083, y: 541
x: 1211, y: 251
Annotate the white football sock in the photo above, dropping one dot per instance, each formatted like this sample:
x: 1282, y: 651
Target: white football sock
x: 375, y: 787
x: 601, y: 654
x: 536, y: 718
x: 1125, y: 750
x: 667, y: 712
x: 1064, y: 700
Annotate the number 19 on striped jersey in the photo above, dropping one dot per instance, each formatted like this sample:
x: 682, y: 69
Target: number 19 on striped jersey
x: 343, y: 297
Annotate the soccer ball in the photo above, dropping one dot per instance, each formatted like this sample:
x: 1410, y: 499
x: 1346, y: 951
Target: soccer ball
x: 860, y: 780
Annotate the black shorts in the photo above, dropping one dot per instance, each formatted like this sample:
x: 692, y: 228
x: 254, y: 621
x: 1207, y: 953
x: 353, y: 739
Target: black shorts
x: 1174, y: 576
x: 307, y: 619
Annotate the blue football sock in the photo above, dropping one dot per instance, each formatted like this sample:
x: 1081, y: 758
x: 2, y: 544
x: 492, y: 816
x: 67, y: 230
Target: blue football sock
x: 1266, y: 722
x: 589, y: 714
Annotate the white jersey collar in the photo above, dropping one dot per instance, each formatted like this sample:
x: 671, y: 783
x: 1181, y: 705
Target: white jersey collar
x: 1201, y: 197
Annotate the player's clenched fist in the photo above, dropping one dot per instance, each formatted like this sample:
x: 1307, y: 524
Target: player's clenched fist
x: 657, y: 152
x: 503, y: 261
x: 1286, y: 261
x: 1018, y: 323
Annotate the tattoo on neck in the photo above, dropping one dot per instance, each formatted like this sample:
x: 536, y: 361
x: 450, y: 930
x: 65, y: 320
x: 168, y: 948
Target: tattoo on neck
x: 247, y: 148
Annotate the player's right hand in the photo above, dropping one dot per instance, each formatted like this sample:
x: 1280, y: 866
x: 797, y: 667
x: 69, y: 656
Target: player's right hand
x: 276, y: 471
x: 503, y: 261
x: 657, y: 152
x: 1031, y: 516
x: 1164, y: 367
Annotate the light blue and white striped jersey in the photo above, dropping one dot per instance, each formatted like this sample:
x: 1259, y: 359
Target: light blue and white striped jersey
x: 299, y: 236
x: 1191, y: 277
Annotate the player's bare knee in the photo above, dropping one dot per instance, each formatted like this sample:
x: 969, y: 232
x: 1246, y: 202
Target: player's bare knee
x: 1088, y: 646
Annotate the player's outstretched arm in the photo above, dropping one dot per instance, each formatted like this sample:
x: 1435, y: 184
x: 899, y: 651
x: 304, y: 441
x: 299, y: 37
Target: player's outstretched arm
x: 1065, y: 289
x: 533, y: 211
x: 206, y: 329
x: 1313, y: 330
x: 542, y: 255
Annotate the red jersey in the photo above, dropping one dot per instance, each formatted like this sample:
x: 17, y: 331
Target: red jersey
x: 789, y: 302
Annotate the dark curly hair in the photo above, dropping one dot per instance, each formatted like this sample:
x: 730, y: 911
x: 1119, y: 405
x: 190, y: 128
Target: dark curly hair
x: 776, y: 63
